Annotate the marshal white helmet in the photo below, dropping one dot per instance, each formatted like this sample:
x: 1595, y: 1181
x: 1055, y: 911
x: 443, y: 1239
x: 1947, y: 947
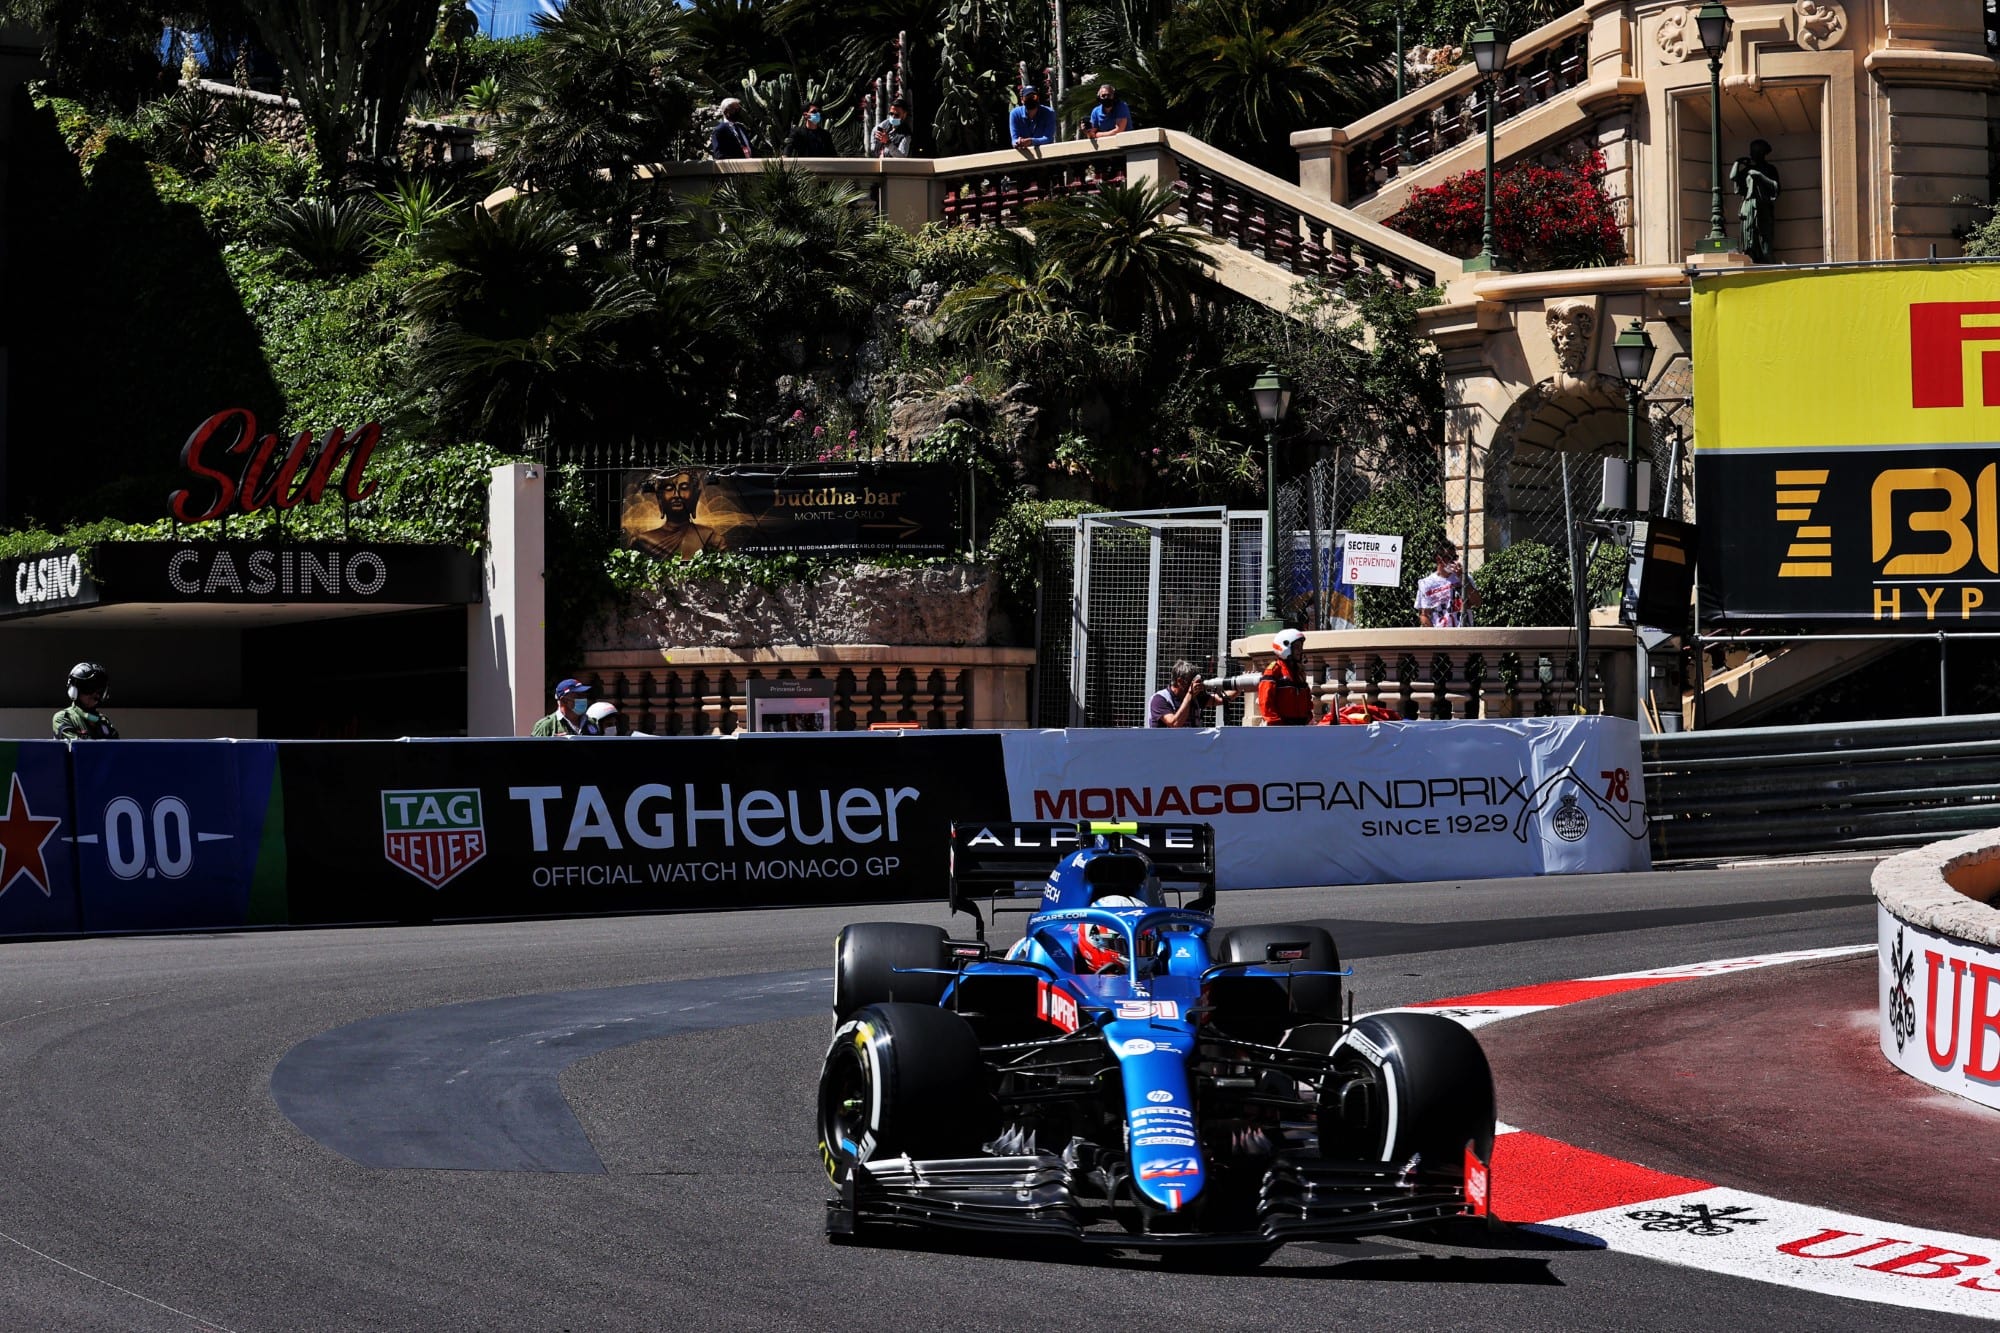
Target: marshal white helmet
x: 601, y: 713
x: 1286, y: 644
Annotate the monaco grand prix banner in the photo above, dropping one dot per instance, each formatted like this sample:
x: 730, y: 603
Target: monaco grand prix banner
x: 1847, y: 446
x: 190, y: 835
x: 1391, y: 802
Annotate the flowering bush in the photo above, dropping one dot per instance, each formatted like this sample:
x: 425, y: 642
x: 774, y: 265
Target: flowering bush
x: 1543, y: 217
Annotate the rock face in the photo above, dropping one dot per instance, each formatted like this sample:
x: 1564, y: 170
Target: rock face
x: 936, y: 606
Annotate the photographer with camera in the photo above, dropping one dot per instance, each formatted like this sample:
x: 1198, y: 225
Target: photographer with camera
x: 1179, y: 703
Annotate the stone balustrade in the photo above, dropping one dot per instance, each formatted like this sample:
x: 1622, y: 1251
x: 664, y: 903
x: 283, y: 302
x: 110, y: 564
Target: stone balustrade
x: 703, y: 691
x: 1463, y: 673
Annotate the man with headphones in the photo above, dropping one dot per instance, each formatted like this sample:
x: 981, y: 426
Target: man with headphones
x: 89, y: 686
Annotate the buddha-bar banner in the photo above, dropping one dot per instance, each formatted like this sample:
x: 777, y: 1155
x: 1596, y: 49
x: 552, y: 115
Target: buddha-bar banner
x: 1847, y: 446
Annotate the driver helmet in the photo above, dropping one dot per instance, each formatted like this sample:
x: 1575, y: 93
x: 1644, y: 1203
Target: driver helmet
x: 86, y: 677
x: 604, y: 713
x: 1286, y: 644
x: 1101, y: 948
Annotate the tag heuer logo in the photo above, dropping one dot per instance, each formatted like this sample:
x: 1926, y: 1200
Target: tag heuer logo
x: 1571, y: 820
x: 435, y: 835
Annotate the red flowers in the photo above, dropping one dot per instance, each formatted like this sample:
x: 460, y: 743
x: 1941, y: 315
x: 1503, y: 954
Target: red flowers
x: 1543, y: 217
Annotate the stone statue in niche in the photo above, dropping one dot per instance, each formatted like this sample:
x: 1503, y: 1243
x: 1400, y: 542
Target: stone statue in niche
x: 1755, y: 178
x: 1821, y: 23
x: 1572, y: 330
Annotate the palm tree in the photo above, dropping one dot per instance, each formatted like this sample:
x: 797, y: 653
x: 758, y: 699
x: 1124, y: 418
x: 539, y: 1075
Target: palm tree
x: 1257, y: 70
x: 603, y: 94
x: 795, y: 263
x: 1125, y: 258
x: 519, y: 336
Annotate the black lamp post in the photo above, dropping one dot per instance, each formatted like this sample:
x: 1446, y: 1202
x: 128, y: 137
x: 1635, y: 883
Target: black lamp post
x: 1273, y: 396
x: 1634, y: 351
x: 1712, y: 24
x: 1402, y: 135
x: 1489, y: 53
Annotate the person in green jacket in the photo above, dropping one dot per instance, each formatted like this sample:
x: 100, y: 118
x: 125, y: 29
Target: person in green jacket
x: 89, y: 685
x: 569, y: 719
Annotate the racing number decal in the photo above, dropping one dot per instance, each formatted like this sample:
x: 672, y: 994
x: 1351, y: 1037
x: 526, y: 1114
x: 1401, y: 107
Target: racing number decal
x: 1617, y: 785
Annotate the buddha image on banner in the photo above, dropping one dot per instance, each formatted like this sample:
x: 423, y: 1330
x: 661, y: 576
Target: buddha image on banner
x: 666, y: 516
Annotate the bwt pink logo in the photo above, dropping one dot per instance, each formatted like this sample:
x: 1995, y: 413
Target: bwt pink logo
x: 1938, y: 334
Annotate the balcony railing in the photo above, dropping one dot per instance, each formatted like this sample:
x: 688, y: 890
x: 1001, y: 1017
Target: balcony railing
x: 1542, y: 66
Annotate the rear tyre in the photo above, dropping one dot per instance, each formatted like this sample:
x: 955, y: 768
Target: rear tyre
x: 1312, y: 999
x: 902, y: 1079
x: 865, y: 962
x: 1408, y: 1084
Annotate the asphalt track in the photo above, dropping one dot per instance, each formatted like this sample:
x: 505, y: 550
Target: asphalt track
x: 639, y: 1155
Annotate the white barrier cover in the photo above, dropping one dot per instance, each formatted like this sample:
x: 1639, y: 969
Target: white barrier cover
x: 1393, y: 802
x: 1938, y: 1003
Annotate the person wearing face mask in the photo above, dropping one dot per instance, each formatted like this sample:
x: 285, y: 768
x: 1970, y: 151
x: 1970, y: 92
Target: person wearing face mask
x: 89, y: 686
x: 892, y: 133
x: 570, y: 717
x: 1031, y: 125
x: 809, y: 137
x: 730, y: 141
x: 1109, y: 116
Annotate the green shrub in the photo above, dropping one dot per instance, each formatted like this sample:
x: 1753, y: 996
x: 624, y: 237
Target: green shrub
x: 1014, y: 549
x: 1528, y: 584
x: 325, y: 237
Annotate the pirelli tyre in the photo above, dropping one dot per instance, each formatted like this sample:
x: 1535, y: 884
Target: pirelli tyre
x: 1314, y: 998
x: 902, y: 1079
x: 1405, y: 1085
x: 871, y: 962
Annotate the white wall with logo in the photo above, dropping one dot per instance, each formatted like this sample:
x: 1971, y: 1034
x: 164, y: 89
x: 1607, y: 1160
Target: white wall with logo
x: 1386, y: 803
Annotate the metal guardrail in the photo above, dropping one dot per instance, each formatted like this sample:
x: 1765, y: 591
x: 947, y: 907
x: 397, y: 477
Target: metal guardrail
x: 1862, y: 785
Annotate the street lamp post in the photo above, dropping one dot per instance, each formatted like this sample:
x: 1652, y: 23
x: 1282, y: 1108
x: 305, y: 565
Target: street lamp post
x: 1712, y: 24
x: 1634, y: 351
x: 1489, y: 53
x: 1273, y: 396
x: 1402, y: 135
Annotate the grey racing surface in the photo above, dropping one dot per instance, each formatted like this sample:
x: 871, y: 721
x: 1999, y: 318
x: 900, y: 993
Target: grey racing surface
x: 607, y: 1124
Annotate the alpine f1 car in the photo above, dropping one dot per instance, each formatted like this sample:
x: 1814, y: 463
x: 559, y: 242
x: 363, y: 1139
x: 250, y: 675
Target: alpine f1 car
x: 1126, y: 1074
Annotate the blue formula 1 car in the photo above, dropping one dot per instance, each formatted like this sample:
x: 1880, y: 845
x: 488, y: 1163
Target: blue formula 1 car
x: 1126, y: 1074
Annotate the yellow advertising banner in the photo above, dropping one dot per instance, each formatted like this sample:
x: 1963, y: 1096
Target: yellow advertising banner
x: 1847, y: 446
x: 1868, y: 357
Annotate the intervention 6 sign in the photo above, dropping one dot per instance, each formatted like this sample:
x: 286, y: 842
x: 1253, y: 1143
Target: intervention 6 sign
x: 1847, y: 445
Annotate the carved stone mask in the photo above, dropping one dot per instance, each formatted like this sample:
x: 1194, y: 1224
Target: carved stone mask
x: 1572, y: 325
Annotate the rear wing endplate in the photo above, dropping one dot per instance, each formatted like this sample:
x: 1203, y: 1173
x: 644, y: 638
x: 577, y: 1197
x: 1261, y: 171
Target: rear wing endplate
x: 990, y: 858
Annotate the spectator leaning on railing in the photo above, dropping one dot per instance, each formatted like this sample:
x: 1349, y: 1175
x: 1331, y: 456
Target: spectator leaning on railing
x: 1031, y: 125
x: 1110, y: 115
x: 809, y: 137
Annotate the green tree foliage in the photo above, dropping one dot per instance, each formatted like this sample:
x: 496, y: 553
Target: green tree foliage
x: 103, y: 52
x: 1984, y: 239
x: 352, y: 65
x: 1124, y: 258
x: 603, y: 92
x: 793, y: 265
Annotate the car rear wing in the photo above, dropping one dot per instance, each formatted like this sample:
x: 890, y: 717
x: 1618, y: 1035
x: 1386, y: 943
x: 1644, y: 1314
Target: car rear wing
x: 991, y: 858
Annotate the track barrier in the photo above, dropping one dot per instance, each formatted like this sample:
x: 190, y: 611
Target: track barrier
x: 200, y: 835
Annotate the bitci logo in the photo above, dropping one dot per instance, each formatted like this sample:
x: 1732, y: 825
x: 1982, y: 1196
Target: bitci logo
x: 435, y: 835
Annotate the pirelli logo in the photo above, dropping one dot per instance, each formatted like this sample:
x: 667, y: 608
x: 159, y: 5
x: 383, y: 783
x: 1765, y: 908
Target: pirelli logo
x: 1810, y: 555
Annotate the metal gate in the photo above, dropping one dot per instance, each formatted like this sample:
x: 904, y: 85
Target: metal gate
x: 1123, y: 596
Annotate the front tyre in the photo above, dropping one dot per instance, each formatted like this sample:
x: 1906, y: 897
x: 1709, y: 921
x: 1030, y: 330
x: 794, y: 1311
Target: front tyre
x: 1408, y: 1085
x: 902, y: 1079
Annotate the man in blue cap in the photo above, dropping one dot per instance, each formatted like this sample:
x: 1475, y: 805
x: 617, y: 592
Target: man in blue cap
x: 1031, y: 125
x: 569, y: 719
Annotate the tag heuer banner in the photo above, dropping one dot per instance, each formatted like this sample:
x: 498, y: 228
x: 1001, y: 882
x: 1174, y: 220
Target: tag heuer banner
x: 823, y: 509
x: 189, y: 835
x: 1847, y: 442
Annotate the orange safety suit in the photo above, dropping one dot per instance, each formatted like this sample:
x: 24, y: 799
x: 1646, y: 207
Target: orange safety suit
x: 1283, y: 697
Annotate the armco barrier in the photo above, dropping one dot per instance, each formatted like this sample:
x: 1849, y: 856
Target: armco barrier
x: 190, y: 835
x: 1938, y: 964
x: 1761, y: 791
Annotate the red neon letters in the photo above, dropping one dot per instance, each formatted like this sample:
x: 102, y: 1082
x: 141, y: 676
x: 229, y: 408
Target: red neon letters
x: 257, y: 482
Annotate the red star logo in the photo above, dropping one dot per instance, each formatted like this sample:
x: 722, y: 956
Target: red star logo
x: 23, y: 834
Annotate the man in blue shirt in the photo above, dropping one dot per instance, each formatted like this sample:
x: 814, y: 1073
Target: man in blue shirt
x: 1031, y: 125
x: 1109, y: 116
